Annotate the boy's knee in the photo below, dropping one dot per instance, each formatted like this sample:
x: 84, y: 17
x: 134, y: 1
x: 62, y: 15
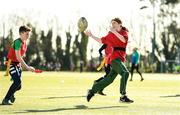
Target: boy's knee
x: 126, y: 74
x: 19, y: 87
x: 17, y: 82
x: 111, y: 81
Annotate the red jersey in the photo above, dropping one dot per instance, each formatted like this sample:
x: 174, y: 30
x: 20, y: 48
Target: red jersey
x: 18, y: 44
x: 113, y: 41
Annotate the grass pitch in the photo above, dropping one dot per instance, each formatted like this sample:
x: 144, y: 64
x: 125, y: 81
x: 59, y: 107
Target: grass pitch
x: 64, y: 93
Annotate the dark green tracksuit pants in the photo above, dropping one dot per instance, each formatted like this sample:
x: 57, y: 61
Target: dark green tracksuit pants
x: 117, y: 68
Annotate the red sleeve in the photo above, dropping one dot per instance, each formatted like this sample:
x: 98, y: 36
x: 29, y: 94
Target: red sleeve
x: 104, y: 39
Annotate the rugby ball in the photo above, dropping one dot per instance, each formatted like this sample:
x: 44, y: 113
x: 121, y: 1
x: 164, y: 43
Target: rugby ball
x: 82, y: 24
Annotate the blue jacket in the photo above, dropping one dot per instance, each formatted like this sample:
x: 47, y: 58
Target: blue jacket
x: 135, y: 57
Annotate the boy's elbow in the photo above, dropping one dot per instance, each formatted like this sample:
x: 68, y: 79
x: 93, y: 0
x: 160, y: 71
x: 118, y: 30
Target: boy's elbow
x: 123, y: 40
x: 18, y: 58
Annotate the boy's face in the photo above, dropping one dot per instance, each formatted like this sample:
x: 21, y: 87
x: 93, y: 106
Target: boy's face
x: 115, y: 25
x: 24, y: 35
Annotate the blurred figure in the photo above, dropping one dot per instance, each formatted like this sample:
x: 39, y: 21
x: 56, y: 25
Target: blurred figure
x: 81, y: 66
x: 135, y: 63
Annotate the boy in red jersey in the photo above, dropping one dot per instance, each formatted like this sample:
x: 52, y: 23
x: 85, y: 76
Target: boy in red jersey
x: 15, y: 54
x: 117, y: 38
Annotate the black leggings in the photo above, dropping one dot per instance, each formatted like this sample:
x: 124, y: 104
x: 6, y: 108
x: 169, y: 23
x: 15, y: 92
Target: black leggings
x: 137, y: 69
x: 15, y: 72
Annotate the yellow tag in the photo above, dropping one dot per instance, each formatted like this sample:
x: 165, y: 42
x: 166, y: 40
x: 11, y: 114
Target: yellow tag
x: 7, y: 68
x: 102, y: 64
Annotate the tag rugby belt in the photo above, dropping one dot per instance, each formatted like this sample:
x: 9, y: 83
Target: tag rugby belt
x: 104, y: 60
x: 119, y: 49
x: 14, y: 70
x: 15, y: 63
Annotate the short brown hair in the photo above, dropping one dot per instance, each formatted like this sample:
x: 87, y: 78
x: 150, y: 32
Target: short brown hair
x: 120, y: 22
x: 117, y: 20
x: 24, y: 29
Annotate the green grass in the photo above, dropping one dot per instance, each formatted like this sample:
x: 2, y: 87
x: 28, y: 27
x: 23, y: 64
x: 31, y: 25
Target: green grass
x: 63, y: 93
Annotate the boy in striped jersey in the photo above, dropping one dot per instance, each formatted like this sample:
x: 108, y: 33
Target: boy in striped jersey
x: 15, y: 54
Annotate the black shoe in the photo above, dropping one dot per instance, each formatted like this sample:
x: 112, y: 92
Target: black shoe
x: 89, y: 95
x: 6, y: 102
x: 125, y: 99
x: 101, y: 93
x: 142, y: 79
x: 12, y: 99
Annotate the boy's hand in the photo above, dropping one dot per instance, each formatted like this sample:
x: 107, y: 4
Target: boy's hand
x: 30, y: 68
x: 88, y: 33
